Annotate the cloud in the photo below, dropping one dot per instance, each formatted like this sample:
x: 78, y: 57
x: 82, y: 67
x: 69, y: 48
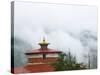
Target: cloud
x: 65, y: 27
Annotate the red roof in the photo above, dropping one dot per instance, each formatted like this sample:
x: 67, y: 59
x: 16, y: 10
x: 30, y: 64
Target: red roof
x: 43, y: 50
x: 40, y: 51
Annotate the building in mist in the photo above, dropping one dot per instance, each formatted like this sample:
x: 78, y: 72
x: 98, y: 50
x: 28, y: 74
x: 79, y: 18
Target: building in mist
x: 39, y: 59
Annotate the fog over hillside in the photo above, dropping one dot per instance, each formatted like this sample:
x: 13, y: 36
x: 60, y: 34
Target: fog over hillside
x: 67, y: 28
x: 79, y: 46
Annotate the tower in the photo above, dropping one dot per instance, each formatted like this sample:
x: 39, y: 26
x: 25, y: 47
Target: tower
x: 44, y: 44
x: 39, y: 60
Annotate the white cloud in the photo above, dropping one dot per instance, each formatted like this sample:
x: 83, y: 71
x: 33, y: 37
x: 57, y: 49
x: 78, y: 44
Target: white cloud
x: 60, y: 24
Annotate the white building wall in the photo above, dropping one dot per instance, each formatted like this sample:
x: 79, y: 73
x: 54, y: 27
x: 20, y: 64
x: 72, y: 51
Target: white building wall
x: 40, y: 55
x: 35, y: 56
x: 52, y: 55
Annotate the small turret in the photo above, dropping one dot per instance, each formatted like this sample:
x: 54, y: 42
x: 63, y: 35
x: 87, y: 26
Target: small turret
x: 44, y: 44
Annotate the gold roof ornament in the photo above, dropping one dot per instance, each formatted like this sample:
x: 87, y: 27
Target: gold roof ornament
x: 44, y: 41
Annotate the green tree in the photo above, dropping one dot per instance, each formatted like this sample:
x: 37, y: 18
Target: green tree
x: 67, y: 62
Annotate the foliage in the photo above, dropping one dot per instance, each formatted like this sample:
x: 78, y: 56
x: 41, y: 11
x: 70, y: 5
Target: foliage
x: 67, y: 62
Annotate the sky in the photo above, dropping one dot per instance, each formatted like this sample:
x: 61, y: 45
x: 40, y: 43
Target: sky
x: 66, y: 27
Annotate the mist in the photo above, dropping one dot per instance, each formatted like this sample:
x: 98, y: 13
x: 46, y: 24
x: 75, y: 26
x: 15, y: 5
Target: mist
x: 66, y: 27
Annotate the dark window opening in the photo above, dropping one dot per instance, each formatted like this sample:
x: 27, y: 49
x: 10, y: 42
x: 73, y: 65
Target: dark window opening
x: 44, y: 56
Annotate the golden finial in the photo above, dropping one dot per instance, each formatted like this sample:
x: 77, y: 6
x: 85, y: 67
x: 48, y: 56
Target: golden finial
x: 43, y: 41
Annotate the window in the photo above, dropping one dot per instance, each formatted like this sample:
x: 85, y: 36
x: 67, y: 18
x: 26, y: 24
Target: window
x: 44, y: 56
